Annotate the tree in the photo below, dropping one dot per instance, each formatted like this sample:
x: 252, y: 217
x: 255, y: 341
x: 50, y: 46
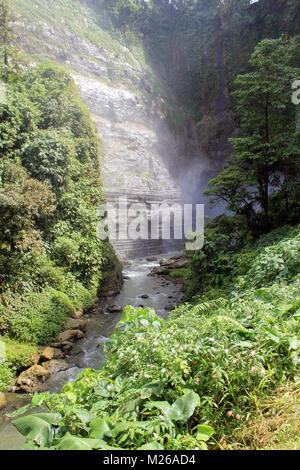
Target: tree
x: 6, y: 30
x: 24, y: 205
x: 267, y: 152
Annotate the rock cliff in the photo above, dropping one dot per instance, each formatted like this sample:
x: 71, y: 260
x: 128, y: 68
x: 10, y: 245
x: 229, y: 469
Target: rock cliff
x: 118, y: 88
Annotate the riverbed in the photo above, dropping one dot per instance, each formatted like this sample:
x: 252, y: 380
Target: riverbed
x: 139, y: 289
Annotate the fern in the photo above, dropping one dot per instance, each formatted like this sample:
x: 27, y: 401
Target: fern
x: 228, y: 323
x: 207, y: 307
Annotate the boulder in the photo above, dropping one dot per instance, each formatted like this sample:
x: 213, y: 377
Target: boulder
x: 114, y: 308
x: 31, y: 379
x: 77, y: 314
x: 55, y: 365
x: 160, y: 271
x: 70, y: 336
x: 57, y: 353
x: 166, y: 265
x: 181, y: 263
x: 175, y: 263
x: 145, y: 296
x: 76, y: 324
x: 3, y: 401
x: 66, y: 347
x: 47, y: 354
x: 35, y: 358
x: 163, y: 262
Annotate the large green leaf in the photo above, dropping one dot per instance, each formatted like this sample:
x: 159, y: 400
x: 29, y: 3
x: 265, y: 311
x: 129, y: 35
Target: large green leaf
x: 50, y: 418
x: 19, y: 412
x: 85, y: 416
x: 186, y: 405
x: 167, y: 409
x: 181, y: 410
x: 37, y: 428
x: 100, y: 427
x: 150, y: 389
x: 69, y: 442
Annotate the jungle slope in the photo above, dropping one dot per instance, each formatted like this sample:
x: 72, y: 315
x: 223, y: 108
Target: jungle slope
x: 52, y: 263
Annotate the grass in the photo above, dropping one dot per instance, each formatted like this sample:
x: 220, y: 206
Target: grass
x: 182, y: 273
x: 275, y: 426
x: 15, y: 356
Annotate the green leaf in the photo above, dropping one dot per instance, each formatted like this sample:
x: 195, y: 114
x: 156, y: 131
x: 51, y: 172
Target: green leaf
x: 181, y: 410
x: 186, y: 405
x: 19, y: 412
x: 50, y: 418
x: 101, y: 389
x: 153, y: 445
x: 100, y: 427
x: 294, y: 343
x: 35, y: 428
x: 263, y: 295
x: 69, y: 442
x: 166, y: 409
x: 85, y: 416
x: 38, y: 399
x: 204, y: 432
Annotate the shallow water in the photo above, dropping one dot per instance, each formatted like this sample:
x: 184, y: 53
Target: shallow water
x: 88, y: 353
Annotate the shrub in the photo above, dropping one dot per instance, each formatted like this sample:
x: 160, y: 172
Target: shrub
x: 65, y: 251
x: 6, y: 376
x: 39, y: 317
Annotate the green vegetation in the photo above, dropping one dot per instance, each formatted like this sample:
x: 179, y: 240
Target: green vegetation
x: 274, y: 426
x: 17, y: 356
x: 200, y: 379
x: 51, y: 261
x: 190, y: 381
x: 262, y: 182
x: 201, y: 40
x: 84, y: 22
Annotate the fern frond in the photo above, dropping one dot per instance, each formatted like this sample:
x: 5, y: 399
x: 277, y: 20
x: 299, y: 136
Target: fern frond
x: 211, y: 305
x: 225, y: 322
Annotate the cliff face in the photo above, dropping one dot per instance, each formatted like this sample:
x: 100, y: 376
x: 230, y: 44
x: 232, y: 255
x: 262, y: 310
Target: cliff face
x: 114, y: 84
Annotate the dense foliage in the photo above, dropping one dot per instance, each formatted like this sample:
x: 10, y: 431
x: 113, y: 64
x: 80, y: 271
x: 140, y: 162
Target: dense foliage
x: 199, y: 46
x: 51, y: 261
x: 185, y: 382
x: 262, y: 182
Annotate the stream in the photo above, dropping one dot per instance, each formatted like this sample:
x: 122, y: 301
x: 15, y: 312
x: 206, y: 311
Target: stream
x: 161, y: 294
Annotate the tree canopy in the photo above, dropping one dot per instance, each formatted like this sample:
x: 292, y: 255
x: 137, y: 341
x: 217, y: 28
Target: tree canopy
x: 262, y: 181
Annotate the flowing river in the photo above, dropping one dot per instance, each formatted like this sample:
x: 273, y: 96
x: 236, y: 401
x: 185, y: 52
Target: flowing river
x: 88, y: 353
